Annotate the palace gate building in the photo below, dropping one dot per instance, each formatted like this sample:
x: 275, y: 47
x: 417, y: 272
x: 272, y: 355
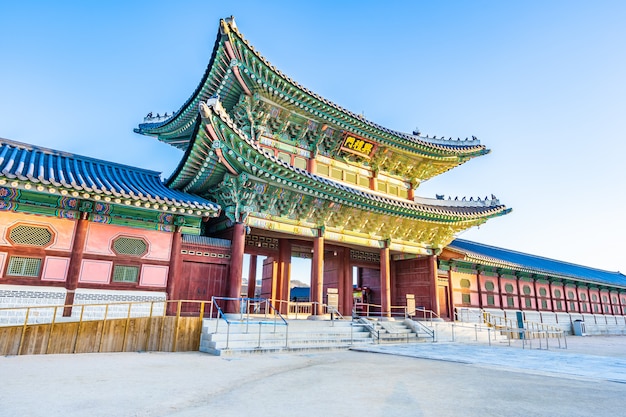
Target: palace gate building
x: 297, y: 174
x: 272, y: 170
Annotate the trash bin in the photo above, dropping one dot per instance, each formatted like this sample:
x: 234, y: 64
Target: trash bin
x: 579, y: 328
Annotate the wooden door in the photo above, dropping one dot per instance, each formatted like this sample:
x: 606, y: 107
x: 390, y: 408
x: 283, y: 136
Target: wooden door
x: 444, y: 306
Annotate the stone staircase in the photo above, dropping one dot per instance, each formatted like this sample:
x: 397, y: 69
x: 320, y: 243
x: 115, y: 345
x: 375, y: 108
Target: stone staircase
x: 392, y: 331
x: 299, y: 335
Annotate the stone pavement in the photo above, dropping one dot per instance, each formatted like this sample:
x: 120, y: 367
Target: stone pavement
x: 554, y: 362
x: 440, y: 379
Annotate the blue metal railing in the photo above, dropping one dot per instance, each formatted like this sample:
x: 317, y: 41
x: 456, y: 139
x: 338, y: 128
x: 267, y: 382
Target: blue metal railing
x: 263, y: 313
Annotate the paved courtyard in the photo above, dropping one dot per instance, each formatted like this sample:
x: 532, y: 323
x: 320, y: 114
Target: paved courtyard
x: 441, y: 379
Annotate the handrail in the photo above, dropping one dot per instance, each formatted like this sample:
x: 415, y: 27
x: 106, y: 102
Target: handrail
x: 527, y: 332
x: 371, y: 328
x: 430, y: 332
x: 244, y: 304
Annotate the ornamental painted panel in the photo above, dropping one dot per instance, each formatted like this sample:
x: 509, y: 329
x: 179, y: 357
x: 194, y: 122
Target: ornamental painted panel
x: 95, y: 272
x: 153, y: 276
x: 63, y: 229
x: 55, y: 268
x: 100, y: 237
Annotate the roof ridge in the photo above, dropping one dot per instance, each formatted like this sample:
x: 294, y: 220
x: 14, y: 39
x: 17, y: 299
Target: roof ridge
x: 407, y: 136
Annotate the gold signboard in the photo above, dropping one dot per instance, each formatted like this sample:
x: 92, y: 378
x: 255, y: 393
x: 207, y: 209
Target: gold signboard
x: 357, y: 145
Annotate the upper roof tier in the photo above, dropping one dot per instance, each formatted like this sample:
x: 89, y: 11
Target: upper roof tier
x: 59, y: 172
x: 236, y: 69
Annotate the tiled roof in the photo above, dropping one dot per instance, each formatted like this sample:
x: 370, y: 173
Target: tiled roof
x: 182, y: 120
x: 537, y: 264
x: 94, y: 178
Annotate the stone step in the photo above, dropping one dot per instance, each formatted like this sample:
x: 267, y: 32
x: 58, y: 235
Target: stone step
x: 298, y: 335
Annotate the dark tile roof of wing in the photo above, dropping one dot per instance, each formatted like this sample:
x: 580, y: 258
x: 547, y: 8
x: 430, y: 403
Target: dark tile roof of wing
x: 54, y: 168
x: 536, y: 263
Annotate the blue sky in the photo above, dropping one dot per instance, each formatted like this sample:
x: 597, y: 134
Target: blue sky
x: 541, y: 83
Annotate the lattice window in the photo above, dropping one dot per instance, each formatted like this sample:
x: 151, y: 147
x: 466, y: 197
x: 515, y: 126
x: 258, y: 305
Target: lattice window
x: 124, y: 273
x: 30, y: 235
x: 24, y: 267
x: 130, y: 246
x: 489, y: 286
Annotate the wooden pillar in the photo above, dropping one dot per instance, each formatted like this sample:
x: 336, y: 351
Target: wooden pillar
x: 551, y: 299
x: 284, y: 274
x: 451, y: 308
x: 76, y: 260
x: 500, y: 290
x: 580, y: 308
x: 252, y: 276
x: 312, y: 165
x: 174, y: 274
x: 536, y: 294
x: 519, y: 292
x: 374, y: 182
x: 480, y: 291
x: 385, y: 281
x: 347, y: 287
x: 236, y: 266
x: 317, y: 274
x: 600, y: 301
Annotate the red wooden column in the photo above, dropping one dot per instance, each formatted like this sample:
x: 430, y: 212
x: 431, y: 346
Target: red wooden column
x: 451, y: 309
x: 347, y: 284
x: 76, y: 260
x: 312, y: 165
x: 480, y: 291
x: 176, y: 264
x: 317, y: 274
x: 284, y: 274
x: 519, y: 292
x: 252, y: 276
x: 236, y: 266
x: 551, y: 297
x: 500, y: 290
x: 385, y: 281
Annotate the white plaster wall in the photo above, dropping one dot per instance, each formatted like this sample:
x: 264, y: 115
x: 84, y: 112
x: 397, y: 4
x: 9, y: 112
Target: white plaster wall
x: 13, y: 299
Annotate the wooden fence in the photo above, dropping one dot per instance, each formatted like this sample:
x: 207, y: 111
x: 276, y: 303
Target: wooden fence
x: 172, y: 332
